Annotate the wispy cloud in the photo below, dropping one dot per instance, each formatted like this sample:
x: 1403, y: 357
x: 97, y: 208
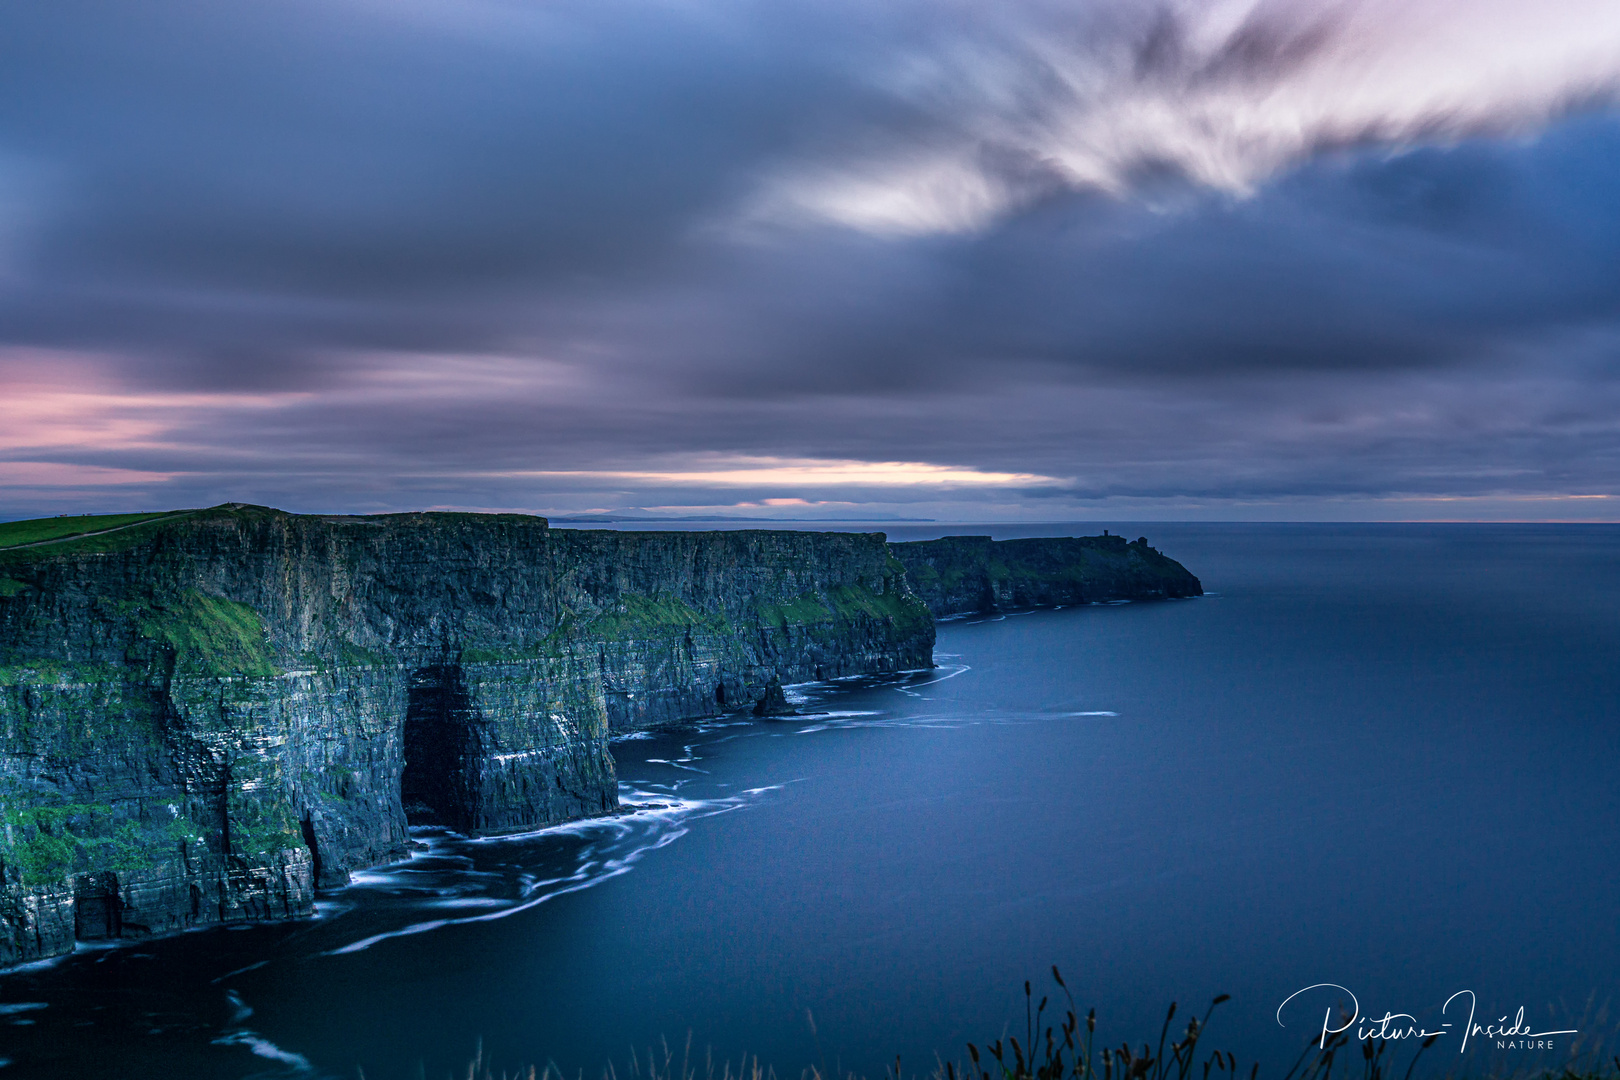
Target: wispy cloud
x: 26, y: 475
x: 1011, y: 102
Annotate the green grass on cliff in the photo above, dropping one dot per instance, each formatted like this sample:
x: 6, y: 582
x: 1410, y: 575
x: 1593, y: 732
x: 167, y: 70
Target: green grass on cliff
x: 118, y: 538
x: 805, y: 608
x: 211, y: 635
x: 851, y: 603
x: 847, y: 603
x: 637, y: 616
x: 47, y: 843
x: 45, y: 671
x: 260, y: 823
x: 13, y: 533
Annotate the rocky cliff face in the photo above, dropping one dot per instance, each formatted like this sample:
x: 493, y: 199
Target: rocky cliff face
x: 203, y: 717
x: 961, y: 574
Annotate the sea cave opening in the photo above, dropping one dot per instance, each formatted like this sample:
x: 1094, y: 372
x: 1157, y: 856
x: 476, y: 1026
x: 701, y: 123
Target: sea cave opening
x: 97, y: 907
x: 441, y: 748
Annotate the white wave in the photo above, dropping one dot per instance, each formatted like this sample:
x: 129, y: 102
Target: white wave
x: 240, y: 971
x: 573, y: 883
x: 264, y: 1048
x: 890, y: 720
x: 1094, y: 712
x: 705, y: 726
x: 382, y: 877
x: 955, y: 670
x: 676, y: 764
x: 669, y: 817
x: 38, y: 965
x: 582, y: 827
x: 331, y: 909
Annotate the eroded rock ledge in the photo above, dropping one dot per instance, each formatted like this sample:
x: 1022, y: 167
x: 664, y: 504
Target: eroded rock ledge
x: 204, y: 716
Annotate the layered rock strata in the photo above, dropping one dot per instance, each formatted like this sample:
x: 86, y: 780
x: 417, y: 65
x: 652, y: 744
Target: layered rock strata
x: 204, y: 716
x: 969, y: 574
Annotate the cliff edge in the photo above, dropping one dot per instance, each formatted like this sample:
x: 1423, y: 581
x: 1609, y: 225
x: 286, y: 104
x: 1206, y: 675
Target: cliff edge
x: 205, y: 714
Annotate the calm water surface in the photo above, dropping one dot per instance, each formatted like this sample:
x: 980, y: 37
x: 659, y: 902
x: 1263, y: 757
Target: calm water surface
x: 1379, y: 756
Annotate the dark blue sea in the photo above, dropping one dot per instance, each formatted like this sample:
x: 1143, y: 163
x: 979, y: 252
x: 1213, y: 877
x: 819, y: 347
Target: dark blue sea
x: 1384, y: 757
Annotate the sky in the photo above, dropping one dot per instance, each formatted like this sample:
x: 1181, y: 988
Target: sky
x: 831, y: 259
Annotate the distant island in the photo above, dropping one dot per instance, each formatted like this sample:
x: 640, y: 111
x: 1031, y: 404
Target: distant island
x: 206, y: 714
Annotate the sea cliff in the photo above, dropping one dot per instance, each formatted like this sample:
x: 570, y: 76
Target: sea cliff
x: 205, y: 715
x: 969, y: 574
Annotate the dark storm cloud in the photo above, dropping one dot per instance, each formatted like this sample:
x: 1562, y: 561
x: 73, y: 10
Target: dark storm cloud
x: 348, y: 174
x: 1424, y: 260
x: 549, y: 255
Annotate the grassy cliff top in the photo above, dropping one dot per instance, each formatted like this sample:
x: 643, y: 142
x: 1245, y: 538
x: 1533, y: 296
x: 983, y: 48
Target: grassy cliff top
x: 43, y: 530
x: 110, y: 532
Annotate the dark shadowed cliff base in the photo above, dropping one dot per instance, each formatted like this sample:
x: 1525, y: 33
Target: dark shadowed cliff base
x: 205, y: 715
